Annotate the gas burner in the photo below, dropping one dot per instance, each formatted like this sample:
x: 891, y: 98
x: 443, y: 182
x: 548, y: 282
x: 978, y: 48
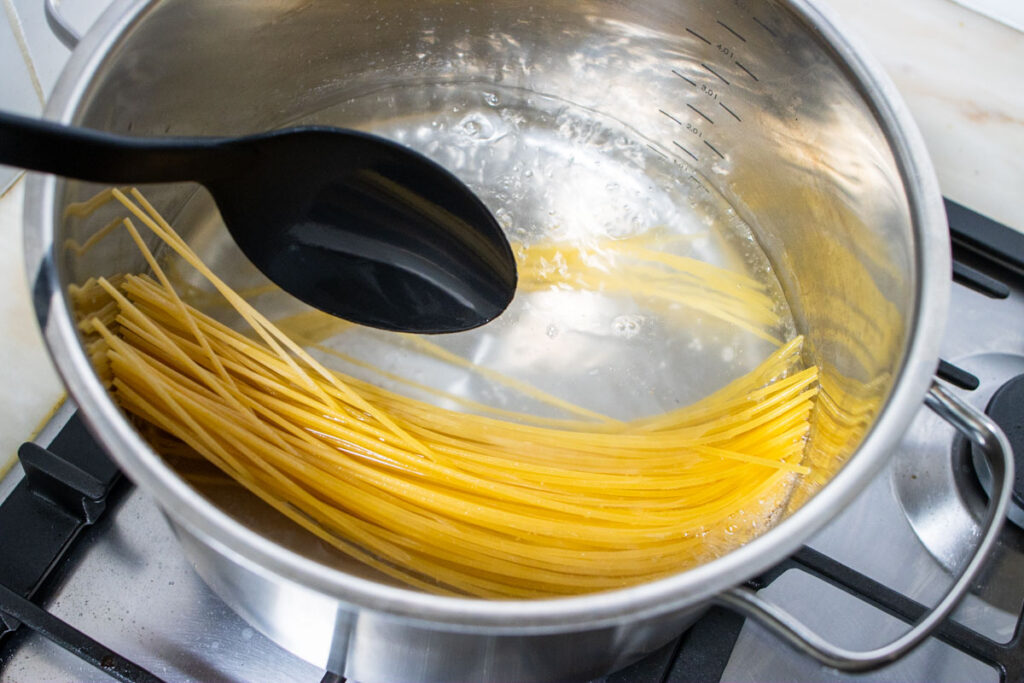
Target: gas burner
x: 1007, y: 410
x: 937, y: 486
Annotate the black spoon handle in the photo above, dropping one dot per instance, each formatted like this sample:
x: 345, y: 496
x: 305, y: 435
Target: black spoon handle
x: 101, y: 157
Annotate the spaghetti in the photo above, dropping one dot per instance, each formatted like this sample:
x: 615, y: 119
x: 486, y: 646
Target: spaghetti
x: 451, y: 502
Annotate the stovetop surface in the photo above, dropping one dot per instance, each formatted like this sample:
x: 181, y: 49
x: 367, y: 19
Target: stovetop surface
x: 129, y: 586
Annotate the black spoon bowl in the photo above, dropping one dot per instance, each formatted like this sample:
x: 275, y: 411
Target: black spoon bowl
x: 350, y: 223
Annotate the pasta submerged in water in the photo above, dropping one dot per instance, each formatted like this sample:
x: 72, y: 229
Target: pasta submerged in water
x: 499, y: 504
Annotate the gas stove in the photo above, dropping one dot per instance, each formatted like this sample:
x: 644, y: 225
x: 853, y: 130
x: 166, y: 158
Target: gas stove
x: 93, y: 585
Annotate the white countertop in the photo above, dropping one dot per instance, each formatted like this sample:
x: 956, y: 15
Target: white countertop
x: 961, y: 73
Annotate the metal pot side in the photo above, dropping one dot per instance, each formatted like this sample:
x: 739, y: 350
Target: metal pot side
x: 816, y: 150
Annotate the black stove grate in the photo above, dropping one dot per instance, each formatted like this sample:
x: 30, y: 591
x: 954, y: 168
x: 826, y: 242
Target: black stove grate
x: 703, y: 652
x: 66, y: 489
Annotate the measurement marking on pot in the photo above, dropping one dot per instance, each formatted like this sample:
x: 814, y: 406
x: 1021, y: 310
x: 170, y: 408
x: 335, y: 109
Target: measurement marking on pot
x: 690, y: 30
x: 706, y: 117
x: 713, y: 149
x: 749, y: 73
x: 734, y: 114
x: 717, y: 75
x: 764, y: 26
x: 729, y: 29
x: 670, y: 116
x: 684, y: 78
x: 657, y: 151
x: 698, y: 182
x: 686, y: 150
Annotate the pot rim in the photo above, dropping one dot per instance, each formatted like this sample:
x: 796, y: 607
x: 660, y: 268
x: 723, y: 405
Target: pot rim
x: 230, y: 538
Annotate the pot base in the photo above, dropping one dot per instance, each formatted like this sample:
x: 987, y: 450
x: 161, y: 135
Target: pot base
x: 370, y: 647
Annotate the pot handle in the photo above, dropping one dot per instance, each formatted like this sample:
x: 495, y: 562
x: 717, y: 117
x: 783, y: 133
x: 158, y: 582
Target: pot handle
x: 60, y: 26
x: 981, y: 430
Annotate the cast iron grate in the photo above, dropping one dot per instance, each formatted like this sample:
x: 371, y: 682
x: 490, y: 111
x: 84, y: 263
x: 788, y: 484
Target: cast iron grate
x: 703, y: 652
x: 66, y: 489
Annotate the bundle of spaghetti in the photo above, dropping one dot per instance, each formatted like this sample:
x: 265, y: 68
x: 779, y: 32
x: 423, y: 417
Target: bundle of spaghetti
x: 447, y: 501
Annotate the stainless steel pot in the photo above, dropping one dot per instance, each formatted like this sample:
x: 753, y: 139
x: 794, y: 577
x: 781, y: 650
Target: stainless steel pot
x: 768, y: 103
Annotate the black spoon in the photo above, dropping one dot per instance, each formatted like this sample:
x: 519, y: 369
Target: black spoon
x: 350, y: 223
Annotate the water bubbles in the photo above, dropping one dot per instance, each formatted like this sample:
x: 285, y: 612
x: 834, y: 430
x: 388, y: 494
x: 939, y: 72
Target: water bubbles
x: 478, y: 126
x: 728, y: 354
x: 492, y: 99
x: 504, y: 217
x: 552, y: 331
x: 627, y: 326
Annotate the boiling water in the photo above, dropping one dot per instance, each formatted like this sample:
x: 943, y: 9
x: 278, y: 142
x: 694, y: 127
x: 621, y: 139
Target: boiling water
x: 554, y: 172
x: 557, y: 173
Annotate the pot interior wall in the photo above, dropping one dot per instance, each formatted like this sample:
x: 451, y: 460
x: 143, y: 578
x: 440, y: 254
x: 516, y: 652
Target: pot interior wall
x: 738, y: 98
